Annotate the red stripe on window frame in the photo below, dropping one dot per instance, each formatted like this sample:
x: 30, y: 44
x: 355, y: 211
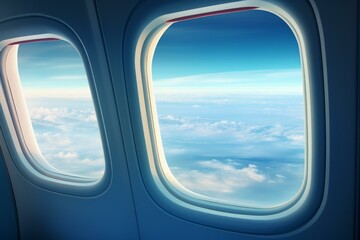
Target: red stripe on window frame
x: 200, y: 15
x: 35, y: 40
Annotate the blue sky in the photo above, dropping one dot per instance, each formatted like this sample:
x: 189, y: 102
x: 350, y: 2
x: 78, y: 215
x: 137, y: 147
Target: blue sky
x: 52, y: 68
x: 61, y: 110
x: 243, y: 41
x: 230, y: 104
x: 229, y: 98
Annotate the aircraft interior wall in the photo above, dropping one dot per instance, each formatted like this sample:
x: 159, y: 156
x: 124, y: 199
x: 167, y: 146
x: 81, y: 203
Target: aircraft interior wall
x: 131, y: 200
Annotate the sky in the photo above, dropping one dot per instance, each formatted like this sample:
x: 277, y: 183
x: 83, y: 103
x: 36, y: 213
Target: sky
x: 52, y: 68
x: 229, y: 99
x: 230, y: 105
x: 242, y: 41
x: 61, y: 110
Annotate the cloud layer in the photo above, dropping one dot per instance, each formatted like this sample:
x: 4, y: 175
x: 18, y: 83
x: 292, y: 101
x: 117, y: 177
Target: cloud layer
x: 217, y: 176
x: 241, y: 149
x: 68, y: 136
x: 247, y: 151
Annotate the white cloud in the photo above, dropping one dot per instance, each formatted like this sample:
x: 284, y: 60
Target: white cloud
x: 67, y: 155
x: 49, y: 140
x: 278, y: 178
x: 72, y: 163
x: 296, y: 138
x: 229, y: 130
x: 250, y: 172
x: 268, y: 82
x: 70, y: 77
x: 68, y: 136
x: 217, y: 176
x: 62, y: 114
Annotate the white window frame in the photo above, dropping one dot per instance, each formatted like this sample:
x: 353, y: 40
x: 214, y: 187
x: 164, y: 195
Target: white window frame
x: 176, y: 199
x: 19, y: 133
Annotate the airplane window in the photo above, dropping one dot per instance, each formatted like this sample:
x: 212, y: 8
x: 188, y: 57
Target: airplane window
x: 230, y: 107
x: 60, y: 106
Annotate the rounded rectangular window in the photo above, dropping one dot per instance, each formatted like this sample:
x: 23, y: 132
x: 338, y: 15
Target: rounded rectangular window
x: 229, y: 99
x: 54, y: 108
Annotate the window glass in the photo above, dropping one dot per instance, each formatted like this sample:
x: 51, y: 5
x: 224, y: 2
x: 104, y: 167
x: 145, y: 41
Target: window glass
x: 61, y: 108
x: 230, y: 103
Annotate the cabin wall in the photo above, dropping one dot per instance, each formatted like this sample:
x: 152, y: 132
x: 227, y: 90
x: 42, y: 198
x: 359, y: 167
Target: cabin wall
x: 8, y: 218
x: 126, y: 208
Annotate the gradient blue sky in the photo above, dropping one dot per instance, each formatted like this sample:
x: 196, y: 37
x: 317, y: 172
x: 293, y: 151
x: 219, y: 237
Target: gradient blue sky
x: 242, y: 41
x: 52, y: 69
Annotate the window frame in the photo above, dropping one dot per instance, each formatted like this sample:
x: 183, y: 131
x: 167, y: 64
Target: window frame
x: 170, y: 195
x: 167, y: 178
x: 19, y: 135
